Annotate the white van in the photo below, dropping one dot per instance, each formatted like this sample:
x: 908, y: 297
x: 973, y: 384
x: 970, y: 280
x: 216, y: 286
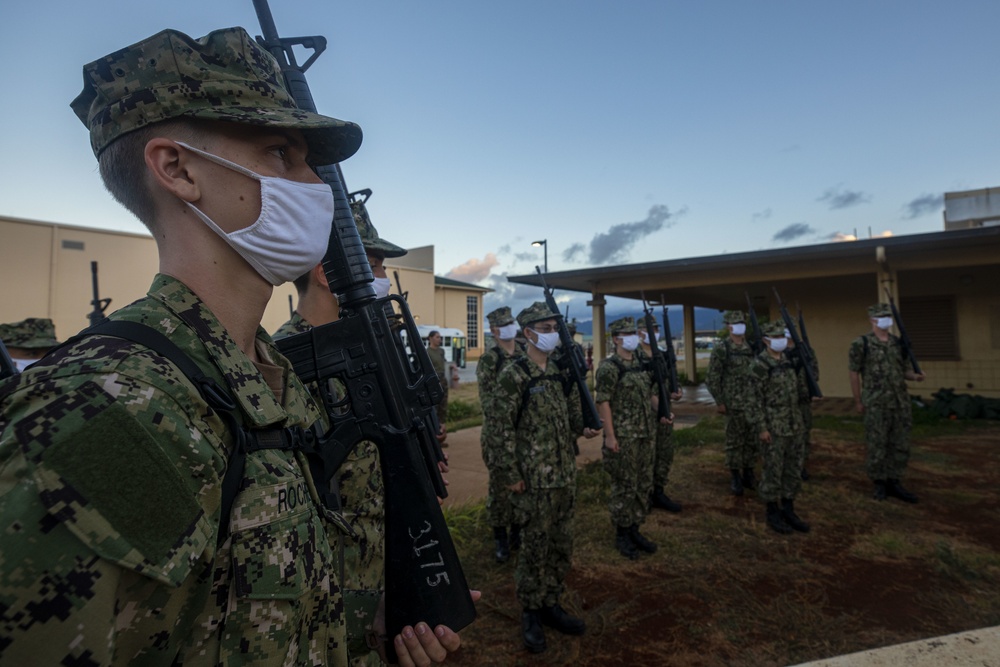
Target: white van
x: 453, y: 345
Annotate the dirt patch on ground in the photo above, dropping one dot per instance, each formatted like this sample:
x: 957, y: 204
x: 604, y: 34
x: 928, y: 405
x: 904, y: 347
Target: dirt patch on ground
x: 725, y: 590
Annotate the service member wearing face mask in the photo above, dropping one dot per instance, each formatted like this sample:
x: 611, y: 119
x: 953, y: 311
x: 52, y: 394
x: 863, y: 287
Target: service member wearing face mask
x: 879, y: 373
x: 28, y: 341
x: 626, y: 401
x: 778, y: 421
x: 663, y: 450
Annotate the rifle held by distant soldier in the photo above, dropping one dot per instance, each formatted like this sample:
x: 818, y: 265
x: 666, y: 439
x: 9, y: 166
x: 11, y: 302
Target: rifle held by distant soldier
x: 904, y: 338
x: 7, y: 366
x: 756, y: 341
x: 803, y: 352
x: 574, y: 363
x: 658, y: 363
x: 668, y: 339
x: 391, y: 388
x: 99, y: 304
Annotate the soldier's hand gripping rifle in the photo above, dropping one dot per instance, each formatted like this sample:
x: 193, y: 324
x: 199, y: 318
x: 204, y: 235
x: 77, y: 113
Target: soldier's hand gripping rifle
x: 668, y: 338
x: 96, y: 316
x: 904, y: 338
x: 658, y: 362
x: 757, y: 341
x: 574, y: 363
x: 391, y: 388
x: 802, y: 351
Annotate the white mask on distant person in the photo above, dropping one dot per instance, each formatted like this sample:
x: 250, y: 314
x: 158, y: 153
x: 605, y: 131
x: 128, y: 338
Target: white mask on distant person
x: 739, y: 329
x: 291, y: 234
x: 630, y: 342
x: 382, y: 286
x: 883, y: 322
x: 778, y: 344
x: 546, y: 341
x: 507, y: 332
x: 22, y: 364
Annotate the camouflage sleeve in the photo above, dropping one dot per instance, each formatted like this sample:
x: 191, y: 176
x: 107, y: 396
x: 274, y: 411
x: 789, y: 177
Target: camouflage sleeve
x: 605, y: 382
x: 716, y: 369
x: 486, y: 377
x: 855, y: 355
x: 507, y: 405
x: 575, y: 410
x: 756, y: 412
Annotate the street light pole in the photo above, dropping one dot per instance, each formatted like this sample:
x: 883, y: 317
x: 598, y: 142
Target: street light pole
x: 545, y: 246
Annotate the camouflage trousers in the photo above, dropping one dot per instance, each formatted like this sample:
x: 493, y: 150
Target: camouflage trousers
x: 499, y: 507
x: 631, y: 470
x: 887, y: 434
x: 742, y: 441
x: 546, y: 545
x: 780, y: 474
x: 807, y: 419
x: 663, y: 456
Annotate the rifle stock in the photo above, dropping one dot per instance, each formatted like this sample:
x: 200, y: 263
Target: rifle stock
x: 576, y: 365
x: 391, y: 391
x: 804, y: 353
x: 904, y: 338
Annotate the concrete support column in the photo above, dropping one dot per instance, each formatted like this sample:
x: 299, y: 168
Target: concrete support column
x: 597, y: 304
x: 690, y: 353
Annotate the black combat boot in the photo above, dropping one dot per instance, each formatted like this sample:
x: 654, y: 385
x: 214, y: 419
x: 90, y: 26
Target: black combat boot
x: 895, y: 489
x: 776, y: 520
x: 531, y: 629
x: 624, y: 544
x: 515, y: 537
x: 663, y: 501
x: 791, y: 518
x: 503, y: 546
x: 557, y: 618
x: 642, y: 542
x: 879, y: 490
x: 737, y: 485
x: 749, y: 481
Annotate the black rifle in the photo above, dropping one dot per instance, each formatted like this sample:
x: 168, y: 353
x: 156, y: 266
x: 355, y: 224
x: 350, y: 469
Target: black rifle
x: 399, y: 286
x: 391, y: 390
x: 756, y: 341
x: 291, y: 307
x: 7, y: 366
x: 100, y: 305
x: 572, y: 360
x: 658, y: 363
x: 671, y: 354
x: 802, y: 327
x: 904, y: 338
x: 803, y: 353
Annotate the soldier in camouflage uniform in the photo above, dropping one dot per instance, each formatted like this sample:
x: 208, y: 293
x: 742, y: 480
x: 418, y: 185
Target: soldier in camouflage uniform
x: 29, y: 340
x: 728, y: 381
x: 534, y: 414
x: 139, y: 526
x: 499, y: 510
x: 805, y: 405
x: 663, y: 451
x: 879, y: 373
x: 777, y: 418
x: 359, y: 478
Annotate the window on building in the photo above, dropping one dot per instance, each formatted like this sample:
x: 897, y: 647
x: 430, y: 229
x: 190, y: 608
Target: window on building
x: 472, y: 320
x: 932, y: 325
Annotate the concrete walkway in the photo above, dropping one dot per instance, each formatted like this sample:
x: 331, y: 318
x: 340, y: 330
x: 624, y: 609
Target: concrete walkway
x: 975, y: 647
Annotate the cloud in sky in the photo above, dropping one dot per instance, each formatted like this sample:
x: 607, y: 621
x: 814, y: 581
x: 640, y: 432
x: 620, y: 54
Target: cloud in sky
x: 837, y: 198
x: 613, y: 246
x: 474, y: 270
x: 761, y: 215
x: 792, y: 232
x: 839, y: 236
x: 922, y: 206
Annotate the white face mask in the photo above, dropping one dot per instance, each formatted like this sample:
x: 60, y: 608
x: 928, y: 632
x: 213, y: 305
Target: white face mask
x: 778, y: 344
x: 738, y: 329
x: 883, y: 322
x: 546, y: 341
x: 291, y: 234
x: 22, y: 364
x: 382, y: 286
x: 630, y: 342
x: 507, y: 332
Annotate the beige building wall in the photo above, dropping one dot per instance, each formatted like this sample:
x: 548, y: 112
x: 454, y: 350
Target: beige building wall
x: 451, y: 309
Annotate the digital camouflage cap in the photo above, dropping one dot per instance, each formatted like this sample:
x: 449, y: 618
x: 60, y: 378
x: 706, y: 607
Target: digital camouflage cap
x: 32, y: 333
x: 500, y: 317
x: 622, y: 325
x: 733, y: 317
x: 366, y: 230
x: 640, y: 324
x: 880, y: 310
x: 223, y: 76
x: 536, y: 312
x: 774, y: 329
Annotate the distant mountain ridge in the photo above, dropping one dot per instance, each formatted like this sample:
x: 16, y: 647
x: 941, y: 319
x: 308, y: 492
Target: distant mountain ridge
x: 704, y: 319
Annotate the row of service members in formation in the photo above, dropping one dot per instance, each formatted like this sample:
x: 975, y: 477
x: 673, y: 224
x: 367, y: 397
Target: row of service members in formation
x: 766, y: 401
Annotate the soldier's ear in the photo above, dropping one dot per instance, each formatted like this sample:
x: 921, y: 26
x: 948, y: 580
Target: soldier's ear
x: 170, y: 167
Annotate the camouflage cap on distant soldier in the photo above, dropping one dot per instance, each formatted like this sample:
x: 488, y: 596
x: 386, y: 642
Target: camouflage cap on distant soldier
x: 500, y: 317
x: 774, y: 329
x: 536, y: 312
x: 623, y: 325
x: 369, y: 235
x: 30, y: 334
x: 880, y: 310
x: 733, y: 317
x: 224, y: 76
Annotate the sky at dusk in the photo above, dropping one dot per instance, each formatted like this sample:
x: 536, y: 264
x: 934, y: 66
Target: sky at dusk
x: 620, y: 132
